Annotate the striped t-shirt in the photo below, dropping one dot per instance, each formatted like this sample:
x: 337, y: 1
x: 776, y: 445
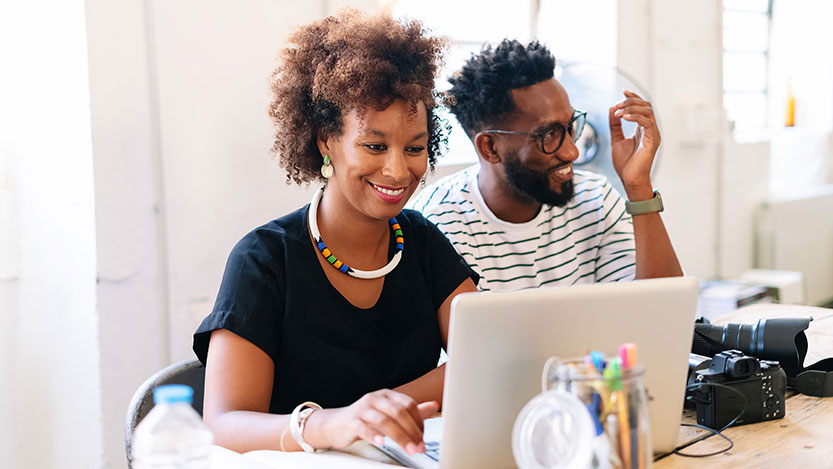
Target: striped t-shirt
x: 588, y: 240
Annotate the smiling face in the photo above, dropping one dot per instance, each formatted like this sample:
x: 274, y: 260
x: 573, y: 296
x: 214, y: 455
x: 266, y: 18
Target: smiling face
x: 378, y: 159
x: 546, y: 178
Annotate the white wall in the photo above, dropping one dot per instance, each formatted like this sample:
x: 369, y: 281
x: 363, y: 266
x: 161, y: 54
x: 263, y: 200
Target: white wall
x: 50, y: 362
x: 674, y: 49
x: 129, y: 220
x: 744, y: 187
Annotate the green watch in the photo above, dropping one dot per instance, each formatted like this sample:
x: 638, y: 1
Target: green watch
x: 653, y: 204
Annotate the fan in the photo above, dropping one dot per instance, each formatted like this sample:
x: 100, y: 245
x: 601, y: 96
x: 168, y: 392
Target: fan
x: 593, y: 89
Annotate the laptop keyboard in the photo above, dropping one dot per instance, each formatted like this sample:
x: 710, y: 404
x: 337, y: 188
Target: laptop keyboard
x: 432, y: 450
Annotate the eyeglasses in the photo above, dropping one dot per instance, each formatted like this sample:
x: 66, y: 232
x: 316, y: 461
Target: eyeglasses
x: 553, y: 137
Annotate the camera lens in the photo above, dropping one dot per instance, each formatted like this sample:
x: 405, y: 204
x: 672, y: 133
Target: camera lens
x: 780, y: 339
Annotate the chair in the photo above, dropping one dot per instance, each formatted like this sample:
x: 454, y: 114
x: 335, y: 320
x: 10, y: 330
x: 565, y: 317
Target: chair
x: 190, y: 372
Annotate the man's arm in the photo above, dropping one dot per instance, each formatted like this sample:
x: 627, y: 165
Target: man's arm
x: 632, y: 159
x: 655, y: 256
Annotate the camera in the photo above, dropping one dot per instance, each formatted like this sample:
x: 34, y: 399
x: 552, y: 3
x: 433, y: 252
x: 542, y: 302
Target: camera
x: 719, y: 386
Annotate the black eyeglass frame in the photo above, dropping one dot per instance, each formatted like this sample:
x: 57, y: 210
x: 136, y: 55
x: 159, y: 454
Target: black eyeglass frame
x: 541, y: 135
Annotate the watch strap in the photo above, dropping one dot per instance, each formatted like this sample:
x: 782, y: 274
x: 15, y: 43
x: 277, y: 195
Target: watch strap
x: 654, y: 204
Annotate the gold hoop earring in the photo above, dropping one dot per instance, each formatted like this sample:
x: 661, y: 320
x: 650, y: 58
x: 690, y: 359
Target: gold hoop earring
x: 326, y: 168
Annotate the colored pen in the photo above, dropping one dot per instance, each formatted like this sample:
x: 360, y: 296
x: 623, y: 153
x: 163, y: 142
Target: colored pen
x: 613, y: 376
x: 627, y: 352
x: 598, y: 360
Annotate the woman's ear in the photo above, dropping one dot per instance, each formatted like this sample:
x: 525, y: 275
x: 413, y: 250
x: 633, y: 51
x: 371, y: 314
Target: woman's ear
x: 485, y: 144
x: 323, y: 141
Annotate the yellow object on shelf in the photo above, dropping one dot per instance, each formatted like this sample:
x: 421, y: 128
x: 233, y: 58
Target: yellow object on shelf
x: 789, y: 115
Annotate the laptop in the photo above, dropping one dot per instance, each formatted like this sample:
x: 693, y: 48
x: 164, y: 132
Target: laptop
x: 498, y: 343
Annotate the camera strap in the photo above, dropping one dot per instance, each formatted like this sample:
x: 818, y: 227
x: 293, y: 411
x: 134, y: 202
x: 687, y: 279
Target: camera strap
x: 815, y: 380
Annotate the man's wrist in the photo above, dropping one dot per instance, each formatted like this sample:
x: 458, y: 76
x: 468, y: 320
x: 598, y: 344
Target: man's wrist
x: 638, y: 193
x: 642, y: 207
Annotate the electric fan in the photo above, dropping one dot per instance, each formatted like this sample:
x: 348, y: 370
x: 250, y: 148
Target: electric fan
x: 593, y: 89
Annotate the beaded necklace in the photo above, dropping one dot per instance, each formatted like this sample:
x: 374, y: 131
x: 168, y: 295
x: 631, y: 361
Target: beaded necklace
x: 312, y: 216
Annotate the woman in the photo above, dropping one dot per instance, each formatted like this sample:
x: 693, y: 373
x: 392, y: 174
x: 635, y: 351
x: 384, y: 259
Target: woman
x: 343, y: 304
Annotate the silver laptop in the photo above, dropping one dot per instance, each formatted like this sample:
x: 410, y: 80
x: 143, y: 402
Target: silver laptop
x: 498, y: 343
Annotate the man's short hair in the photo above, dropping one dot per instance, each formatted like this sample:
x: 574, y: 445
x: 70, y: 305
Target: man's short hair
x: 482, y: 88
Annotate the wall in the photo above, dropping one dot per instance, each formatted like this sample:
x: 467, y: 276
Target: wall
x: 744, y: 188
x: 131, y: 280
x: 50, y: 353
x: 674, y: 49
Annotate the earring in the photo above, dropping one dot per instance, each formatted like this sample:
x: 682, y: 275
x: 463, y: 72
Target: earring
x: 326, y: 168
x: 422, y: 183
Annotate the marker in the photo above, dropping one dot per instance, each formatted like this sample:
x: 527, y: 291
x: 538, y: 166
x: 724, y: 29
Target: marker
x: 588, y: 363
x: 627, y: 352
x: 598, y: 359
x: 613, y: 376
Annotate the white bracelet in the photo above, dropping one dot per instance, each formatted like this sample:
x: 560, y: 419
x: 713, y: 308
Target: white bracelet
x: 297, y: 422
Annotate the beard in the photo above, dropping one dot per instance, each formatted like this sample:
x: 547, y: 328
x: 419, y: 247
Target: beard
x: 535, y: 185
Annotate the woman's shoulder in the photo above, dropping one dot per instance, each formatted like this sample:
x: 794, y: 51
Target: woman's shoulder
x: 408, y: 218
x: 270, y: 238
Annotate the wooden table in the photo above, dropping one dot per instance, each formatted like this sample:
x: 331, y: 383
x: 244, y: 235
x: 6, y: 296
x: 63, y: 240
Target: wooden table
x: 803, y: 438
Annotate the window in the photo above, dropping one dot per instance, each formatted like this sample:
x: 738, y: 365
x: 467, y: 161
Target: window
x: 746, y: 34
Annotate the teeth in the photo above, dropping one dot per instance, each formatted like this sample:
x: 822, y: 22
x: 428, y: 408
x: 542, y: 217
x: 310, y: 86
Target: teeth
x: 388, y: 191
x: 564, y: 171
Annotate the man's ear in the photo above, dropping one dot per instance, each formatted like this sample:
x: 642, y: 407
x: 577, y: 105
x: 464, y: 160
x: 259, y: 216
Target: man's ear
x: 485, y: 145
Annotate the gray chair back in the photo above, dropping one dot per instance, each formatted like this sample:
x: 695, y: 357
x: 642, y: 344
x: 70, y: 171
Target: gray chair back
x: 190, y: 372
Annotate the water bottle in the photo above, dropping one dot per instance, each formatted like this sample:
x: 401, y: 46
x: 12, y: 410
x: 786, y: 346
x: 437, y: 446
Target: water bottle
x: 172, y: 434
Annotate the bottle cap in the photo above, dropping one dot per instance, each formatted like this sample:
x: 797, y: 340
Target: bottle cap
x: 172, y: 393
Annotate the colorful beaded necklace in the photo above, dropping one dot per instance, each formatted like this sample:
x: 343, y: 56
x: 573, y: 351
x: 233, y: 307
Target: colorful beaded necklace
x: 312, y: 216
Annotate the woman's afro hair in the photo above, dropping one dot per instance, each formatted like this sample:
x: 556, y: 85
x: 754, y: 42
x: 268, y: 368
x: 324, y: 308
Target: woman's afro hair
x: 350, y: 61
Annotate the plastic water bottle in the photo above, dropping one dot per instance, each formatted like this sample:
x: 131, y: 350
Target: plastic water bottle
x: 172, y: 434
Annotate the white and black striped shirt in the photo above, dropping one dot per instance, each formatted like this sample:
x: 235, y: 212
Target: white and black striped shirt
x: 589, y: 240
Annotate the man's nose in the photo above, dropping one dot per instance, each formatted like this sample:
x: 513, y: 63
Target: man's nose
x: 568, y: 151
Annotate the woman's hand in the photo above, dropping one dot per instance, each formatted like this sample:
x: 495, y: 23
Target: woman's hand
x: 374, y: 416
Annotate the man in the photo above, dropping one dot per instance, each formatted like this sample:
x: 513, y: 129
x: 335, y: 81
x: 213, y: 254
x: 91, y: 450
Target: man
x: 524, y: 217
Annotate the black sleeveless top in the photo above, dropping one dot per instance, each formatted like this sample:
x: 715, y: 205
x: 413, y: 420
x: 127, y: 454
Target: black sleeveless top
x: 275, y: 294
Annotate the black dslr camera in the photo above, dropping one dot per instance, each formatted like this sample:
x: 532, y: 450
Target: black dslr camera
x: 716, y: 386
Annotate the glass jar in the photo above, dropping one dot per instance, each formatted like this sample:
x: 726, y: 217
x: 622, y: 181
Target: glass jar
x: 617, y: 404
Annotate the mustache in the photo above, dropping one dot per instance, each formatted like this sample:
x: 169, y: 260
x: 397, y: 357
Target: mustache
x: 558, y: 166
